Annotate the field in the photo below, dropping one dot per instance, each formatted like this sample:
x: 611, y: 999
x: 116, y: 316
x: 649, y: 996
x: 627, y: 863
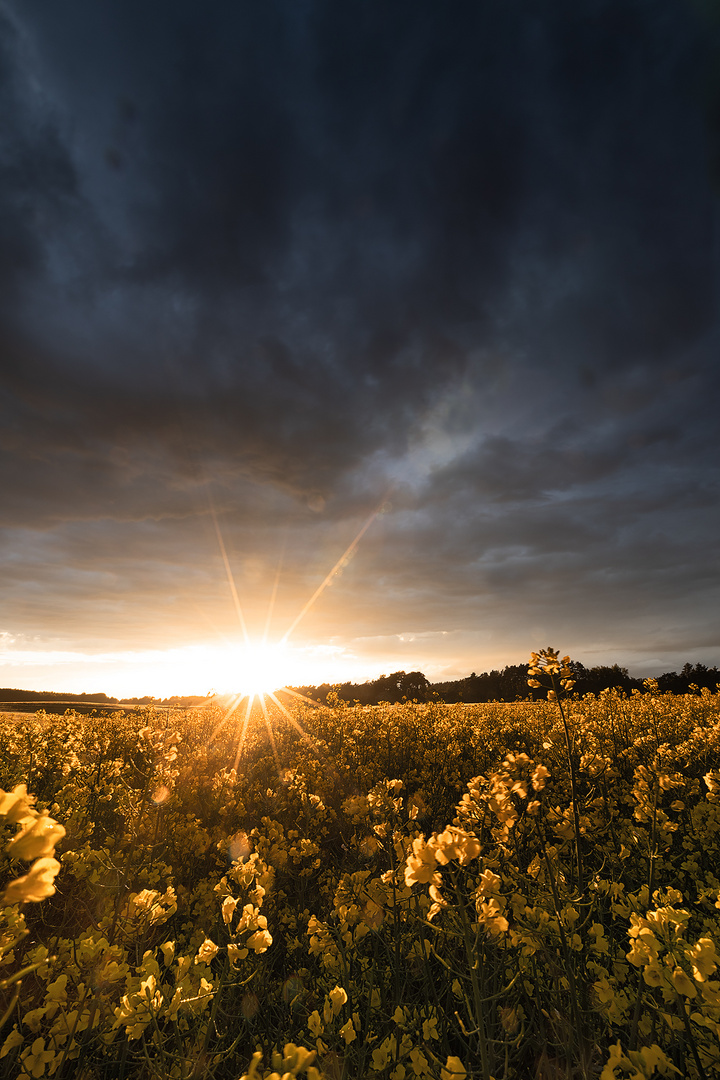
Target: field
x: 507, y: 891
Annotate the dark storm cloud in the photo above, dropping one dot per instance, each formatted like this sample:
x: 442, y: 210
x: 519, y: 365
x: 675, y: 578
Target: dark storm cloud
x: 37, y: 176
x: 321, y: 248
x: 322, y: 197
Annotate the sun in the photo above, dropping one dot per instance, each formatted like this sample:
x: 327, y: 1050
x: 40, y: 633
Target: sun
x: 255, y: 668
x: 260, y: 668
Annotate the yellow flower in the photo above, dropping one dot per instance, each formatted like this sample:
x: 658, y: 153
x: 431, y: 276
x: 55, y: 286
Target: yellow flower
x: 35, y: 885
x: 653, y: 1058
x: 682, y: 983
x: 712, y: 779
x: 490, y: 915
x: 454, y: 843
x: 420, y: 867
x: 653, y: 974
x: 616, y: 1060
x: 454, y: 1069
x: 348, y: 1032
x: 36, y: 839
x: 604, y: 991
x: 540, y: 777
x: 704, y: 958
x: 36, y: 1057
x: 235, y: 953
x: 260, y: 941
x: 294, y: 1059
x: 228, y: 909
x: 420, y: 1064
x: 13, y: 1040
x: 315, y: 1026
x: 430, y: 1029
x: 338, y: 998
x: 207, y: 951
x: 16, y: 805
x: 488, y: 883
x: 381, y: 1055
x: 57, y: 991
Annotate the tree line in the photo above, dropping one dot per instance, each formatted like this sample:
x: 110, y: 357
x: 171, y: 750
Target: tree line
x: 510, y: 684
x: 13, y: 696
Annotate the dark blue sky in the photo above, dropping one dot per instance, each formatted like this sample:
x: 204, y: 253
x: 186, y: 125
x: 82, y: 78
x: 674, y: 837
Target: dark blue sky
x: 291, y: 262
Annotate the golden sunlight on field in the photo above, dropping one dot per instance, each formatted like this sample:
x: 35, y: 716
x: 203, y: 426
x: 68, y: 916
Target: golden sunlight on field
x: 415, y: 890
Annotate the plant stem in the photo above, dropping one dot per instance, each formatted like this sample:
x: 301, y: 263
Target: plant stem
x: 473, y: 963
x: 573, y: 789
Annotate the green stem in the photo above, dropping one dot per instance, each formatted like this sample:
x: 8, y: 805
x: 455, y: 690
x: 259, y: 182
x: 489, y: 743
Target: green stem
x: 9, y: 1011
x: 200, y: 1060
x: 651, y: 882
x: 690, y: 1037
x: 473, y: 962
x: 573, y: 790
x: 566, y: 952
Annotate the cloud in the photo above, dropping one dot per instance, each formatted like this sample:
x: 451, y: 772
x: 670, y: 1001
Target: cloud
x: 278, y: 263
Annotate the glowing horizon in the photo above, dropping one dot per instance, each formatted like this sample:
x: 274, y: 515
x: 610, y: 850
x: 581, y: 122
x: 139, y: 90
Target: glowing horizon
x: 191, y: 670
x: 252, y: 666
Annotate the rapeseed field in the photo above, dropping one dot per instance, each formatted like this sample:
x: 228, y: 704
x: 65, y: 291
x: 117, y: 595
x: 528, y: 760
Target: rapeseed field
x: 428, y: 891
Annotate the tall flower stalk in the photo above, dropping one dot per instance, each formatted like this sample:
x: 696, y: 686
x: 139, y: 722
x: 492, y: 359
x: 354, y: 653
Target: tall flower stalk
x: 547, y: 667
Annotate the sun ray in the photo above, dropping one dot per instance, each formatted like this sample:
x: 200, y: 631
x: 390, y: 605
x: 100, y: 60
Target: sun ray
x: 237, y: 699
x: 261, y: 655
x: 295, y: 723
x: 243, y: 733
x: 271, y: 736
x: 300, y: 697
x: 342, y: 561
x: 273, y: 596
x: 228, y: 571
x: 309, y: 739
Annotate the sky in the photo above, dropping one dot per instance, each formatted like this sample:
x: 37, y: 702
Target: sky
x: 383, y: 333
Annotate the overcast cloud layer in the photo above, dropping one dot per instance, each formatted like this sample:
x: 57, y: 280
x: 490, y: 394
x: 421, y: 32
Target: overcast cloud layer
x: 291, y: 263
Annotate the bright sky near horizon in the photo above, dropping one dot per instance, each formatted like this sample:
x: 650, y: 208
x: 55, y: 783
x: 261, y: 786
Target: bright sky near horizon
x: 419, y: 301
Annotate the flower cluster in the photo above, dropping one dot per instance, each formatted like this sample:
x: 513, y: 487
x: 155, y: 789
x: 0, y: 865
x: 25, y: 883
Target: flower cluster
x: 35, y: 840
x: 393, y: 892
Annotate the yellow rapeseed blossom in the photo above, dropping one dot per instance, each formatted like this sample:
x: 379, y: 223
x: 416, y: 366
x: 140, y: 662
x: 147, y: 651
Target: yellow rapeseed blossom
x: 703, y: 957
x: 640, y: 1064
x: 421, y: 867
x: 36, y: 885
x: 454, y: 1069
x: 348, y: 1032
x: 632, y: 937
x: 207, y: 952
x: 35, y: 1058
x: 455, y: 844
x: 540, y: 777
x: 683, y: 983
x: 314, y: 1023
x: 261, y: 940
x: 17, y: 805
x: 429, y: 1030
x: 338, y: 998
x: 228, y: 909
x: 36, y: 839
x: 236, y: 953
